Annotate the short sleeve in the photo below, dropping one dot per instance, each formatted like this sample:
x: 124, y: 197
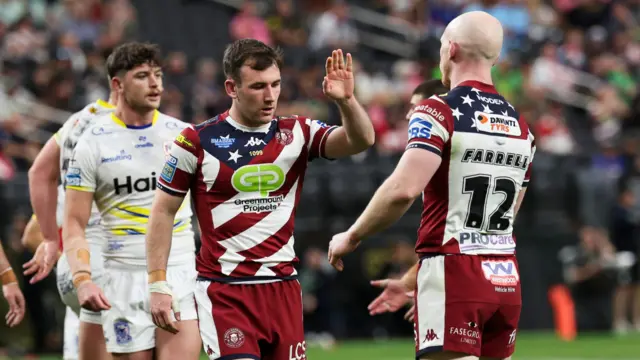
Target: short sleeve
x: 181, y: 163
x: 430, y: 125
x: 318, y: 134
x: 63, y: 132
x: 527, y: 175
x: 83, y: 166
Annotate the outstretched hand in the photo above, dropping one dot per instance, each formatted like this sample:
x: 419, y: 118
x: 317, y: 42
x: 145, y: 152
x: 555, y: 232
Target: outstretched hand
x: 339, y: 82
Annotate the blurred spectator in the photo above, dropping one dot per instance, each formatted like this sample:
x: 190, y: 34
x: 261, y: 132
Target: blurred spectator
x: 247, y: 24
x: 334, y: 30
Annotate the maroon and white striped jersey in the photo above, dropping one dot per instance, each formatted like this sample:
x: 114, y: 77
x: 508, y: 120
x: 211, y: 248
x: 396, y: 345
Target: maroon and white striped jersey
x: 486, y: 149
x: 245, y: 184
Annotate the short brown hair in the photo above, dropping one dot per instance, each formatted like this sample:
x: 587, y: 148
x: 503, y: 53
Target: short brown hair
x: 253, y: 53
x: 132, y: 54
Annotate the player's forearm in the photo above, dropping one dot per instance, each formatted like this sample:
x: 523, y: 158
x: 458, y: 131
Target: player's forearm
x: 158, y: 242
x: 388, y: 205
x: 356, y: 124
x: 76, y: 248
x: 32, y: 237
x: 43, y: 190
x: 410, y: 277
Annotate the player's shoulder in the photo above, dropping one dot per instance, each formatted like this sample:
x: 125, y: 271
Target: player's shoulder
x: 434, y: 107
x: 171, y: 123
x: 102, y: 126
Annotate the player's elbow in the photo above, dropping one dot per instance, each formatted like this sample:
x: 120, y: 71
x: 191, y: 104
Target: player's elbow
x: 403, y: 193
x: 41, y: 173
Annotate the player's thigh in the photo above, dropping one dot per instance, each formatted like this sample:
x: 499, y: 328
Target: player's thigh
x: 447, y: 355
x: 91, y: 344
x: 284, y: 300
x: 185, y: 345
x: 127, y: 325
x: 70, y: 335
x: 229, y: 320
x: 139, y: 355
x: 499, y: 334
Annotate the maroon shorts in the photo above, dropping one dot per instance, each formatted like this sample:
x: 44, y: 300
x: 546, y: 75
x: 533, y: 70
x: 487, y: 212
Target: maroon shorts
x: 468, y: 304
x: 255, y: 321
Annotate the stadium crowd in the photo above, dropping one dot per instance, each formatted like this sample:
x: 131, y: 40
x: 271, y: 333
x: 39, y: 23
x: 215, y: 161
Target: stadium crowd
x: 569, y: 66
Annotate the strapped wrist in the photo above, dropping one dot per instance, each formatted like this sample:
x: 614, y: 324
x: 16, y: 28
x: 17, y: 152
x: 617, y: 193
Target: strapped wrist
x: 81, y: 277
x: 8, y: 276
x: 157, y: 275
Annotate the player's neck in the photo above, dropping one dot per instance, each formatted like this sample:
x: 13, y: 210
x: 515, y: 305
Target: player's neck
x: 471, y: 73
x: 238, y: 118
x: 131, y: 117
x: 112, y: 99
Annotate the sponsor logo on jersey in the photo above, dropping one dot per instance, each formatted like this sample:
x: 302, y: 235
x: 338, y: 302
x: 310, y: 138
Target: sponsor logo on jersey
x: 100, y: 131
x: 419, y: 127
x: 169, y: 169
x: 471, y: 242
x: 129, y: 185
x: 322, y: 124
x: 262, y: 178
x: 254, y: 142
x: 489, y: 100
x: 223, y: 142
x: 501, y: 272
x: 171, y: 125
x: 182, y: 140
x: 497, y: 124
x: 143, y: 142
x: 73, y: 177
x: 499, y: 158
x: 122, y: 156
x: 429, y: 110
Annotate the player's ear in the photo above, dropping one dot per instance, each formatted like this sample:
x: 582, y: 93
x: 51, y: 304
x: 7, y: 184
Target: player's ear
x: 231, y: 87
x: 454, y: 50
x: 116, y: 83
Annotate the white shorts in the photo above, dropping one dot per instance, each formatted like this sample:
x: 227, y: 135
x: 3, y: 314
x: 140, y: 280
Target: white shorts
x: 68, y: 292
x: 71, y: 331
x: 128, y: 326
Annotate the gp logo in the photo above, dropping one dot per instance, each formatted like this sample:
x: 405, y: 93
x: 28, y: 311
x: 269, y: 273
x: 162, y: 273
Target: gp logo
x: 262, y: 178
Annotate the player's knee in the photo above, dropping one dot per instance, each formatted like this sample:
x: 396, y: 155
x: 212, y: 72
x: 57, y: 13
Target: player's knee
x: 447, y: 355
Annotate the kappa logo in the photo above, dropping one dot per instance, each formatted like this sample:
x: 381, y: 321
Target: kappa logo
x: 254, y: 142
x: 430, y: 336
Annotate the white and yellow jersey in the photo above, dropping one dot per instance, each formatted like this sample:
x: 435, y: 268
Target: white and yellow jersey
x: 120, y: 165
x: 67, y: 138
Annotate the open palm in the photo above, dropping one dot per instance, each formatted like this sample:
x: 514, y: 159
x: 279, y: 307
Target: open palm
x: 338, y: 83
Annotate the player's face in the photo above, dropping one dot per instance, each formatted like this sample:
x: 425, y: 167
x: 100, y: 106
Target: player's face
x: 415, y: 98
x: 257, y: 95
x: 445, y: 61
x: 141, y: 88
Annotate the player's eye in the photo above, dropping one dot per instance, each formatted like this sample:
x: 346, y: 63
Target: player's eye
x: 275, y: 84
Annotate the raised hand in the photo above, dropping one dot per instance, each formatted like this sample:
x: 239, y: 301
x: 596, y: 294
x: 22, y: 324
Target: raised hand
x: 339, y: 82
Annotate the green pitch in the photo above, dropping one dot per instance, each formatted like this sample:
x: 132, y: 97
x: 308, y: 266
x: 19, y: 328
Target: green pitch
x: 530, y: 346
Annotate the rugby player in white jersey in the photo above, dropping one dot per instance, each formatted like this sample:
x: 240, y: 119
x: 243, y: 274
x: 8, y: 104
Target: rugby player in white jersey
x: 115, y: 164
x: 83, y: 336
x: 472, y: 152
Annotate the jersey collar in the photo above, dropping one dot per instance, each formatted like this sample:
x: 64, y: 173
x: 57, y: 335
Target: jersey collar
x: 104, y: 104
x: 262, y: 128
x: 119, y: 122
x: 480, y: 86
